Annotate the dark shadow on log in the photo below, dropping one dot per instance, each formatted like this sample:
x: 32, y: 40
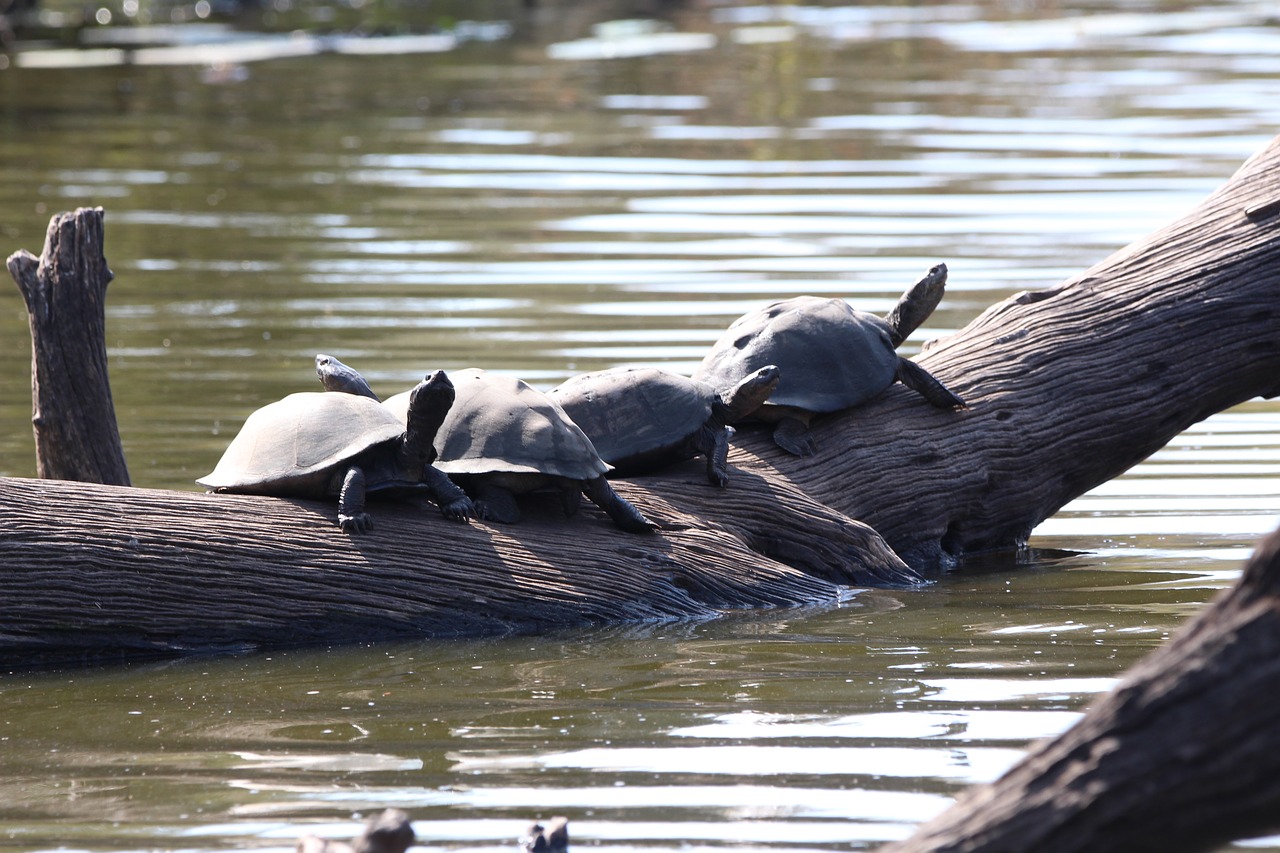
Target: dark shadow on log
x: 1183, y: 756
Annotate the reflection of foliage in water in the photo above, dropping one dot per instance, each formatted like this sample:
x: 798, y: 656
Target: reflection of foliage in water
x: 467, y: 21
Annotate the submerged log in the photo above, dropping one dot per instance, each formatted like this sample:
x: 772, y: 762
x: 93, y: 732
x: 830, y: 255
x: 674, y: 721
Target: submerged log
x: 1182, y: 756
x: 1066, y: 388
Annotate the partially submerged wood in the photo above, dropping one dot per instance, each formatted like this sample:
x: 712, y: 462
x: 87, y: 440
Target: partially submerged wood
x: 65, y: 291
x: 1182, y: 756
x: 1066, y: 387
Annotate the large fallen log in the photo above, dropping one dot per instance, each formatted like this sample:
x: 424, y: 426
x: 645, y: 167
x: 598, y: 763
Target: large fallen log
x: 1066, y: 388
x: 93, y: 570
x: 1182, y: 756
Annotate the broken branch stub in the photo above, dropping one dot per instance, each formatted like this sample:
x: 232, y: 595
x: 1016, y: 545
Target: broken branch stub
x: 73, y: 415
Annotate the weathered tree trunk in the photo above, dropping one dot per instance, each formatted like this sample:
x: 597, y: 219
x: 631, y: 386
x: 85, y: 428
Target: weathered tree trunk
x: 1066, y: 388
x: 90, y: 570
x: 1183, y: 756
x: 65, y: 290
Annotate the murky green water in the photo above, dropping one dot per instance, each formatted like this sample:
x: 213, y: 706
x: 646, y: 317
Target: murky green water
x: 538, y: 202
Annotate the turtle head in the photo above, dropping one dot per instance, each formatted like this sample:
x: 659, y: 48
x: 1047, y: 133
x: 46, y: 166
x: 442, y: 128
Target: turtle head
x: 916, y: 304
x: 389, y: 832
x: 429, y: 402
x: 751, y: 393
x: 336, y: 376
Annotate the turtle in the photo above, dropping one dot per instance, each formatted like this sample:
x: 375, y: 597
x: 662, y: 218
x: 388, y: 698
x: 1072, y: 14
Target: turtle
x: 831, y: 357
x: 643, y: 418
x: 389, y: 832
x: 314, y: 444
x: 502, y: 437
x: 552, y: 838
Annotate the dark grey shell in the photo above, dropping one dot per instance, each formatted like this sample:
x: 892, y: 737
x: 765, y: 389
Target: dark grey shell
x: 830, y: 355
x: 500, y: 424
x: 294, y: 446
x: 631, y: 413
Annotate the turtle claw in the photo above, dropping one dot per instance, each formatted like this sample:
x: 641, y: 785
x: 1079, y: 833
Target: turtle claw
x: 460, y: 510
x: 360, y: 522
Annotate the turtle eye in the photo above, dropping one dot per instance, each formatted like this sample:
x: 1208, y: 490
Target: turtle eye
x: 741, y: 343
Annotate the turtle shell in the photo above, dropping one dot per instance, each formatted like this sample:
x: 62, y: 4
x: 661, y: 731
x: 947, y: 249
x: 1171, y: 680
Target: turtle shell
x: 500, y: 424
x: 292, y: 446
x: 830, y: 355
x: 633, y: 412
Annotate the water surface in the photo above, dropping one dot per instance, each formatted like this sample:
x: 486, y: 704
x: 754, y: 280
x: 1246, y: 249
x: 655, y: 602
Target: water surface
x: 554, y: 191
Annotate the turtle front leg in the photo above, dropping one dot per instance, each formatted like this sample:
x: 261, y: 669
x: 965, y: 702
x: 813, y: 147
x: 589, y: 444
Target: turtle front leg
x: 713, y: 443
x: 351, y: 515
x: 453, y: 502
x: 626, y: 516
x: 792, y: 435
x: 923, y: 383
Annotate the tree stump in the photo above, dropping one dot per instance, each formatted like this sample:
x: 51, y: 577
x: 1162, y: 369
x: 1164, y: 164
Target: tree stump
x: 65, y: 289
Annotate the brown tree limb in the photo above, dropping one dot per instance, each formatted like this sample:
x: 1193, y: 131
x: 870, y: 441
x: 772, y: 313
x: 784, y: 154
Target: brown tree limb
x: 65, y: 289
x: 92, y: 570
x: 1182, y: 756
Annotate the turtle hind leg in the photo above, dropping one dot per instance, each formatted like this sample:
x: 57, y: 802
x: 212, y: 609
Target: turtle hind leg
x: 917, y: 304
x: 922, y: 382
x: 792, y: 435
x: 570, y: 498
x: 494, y: 503
x: 617, y: 507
